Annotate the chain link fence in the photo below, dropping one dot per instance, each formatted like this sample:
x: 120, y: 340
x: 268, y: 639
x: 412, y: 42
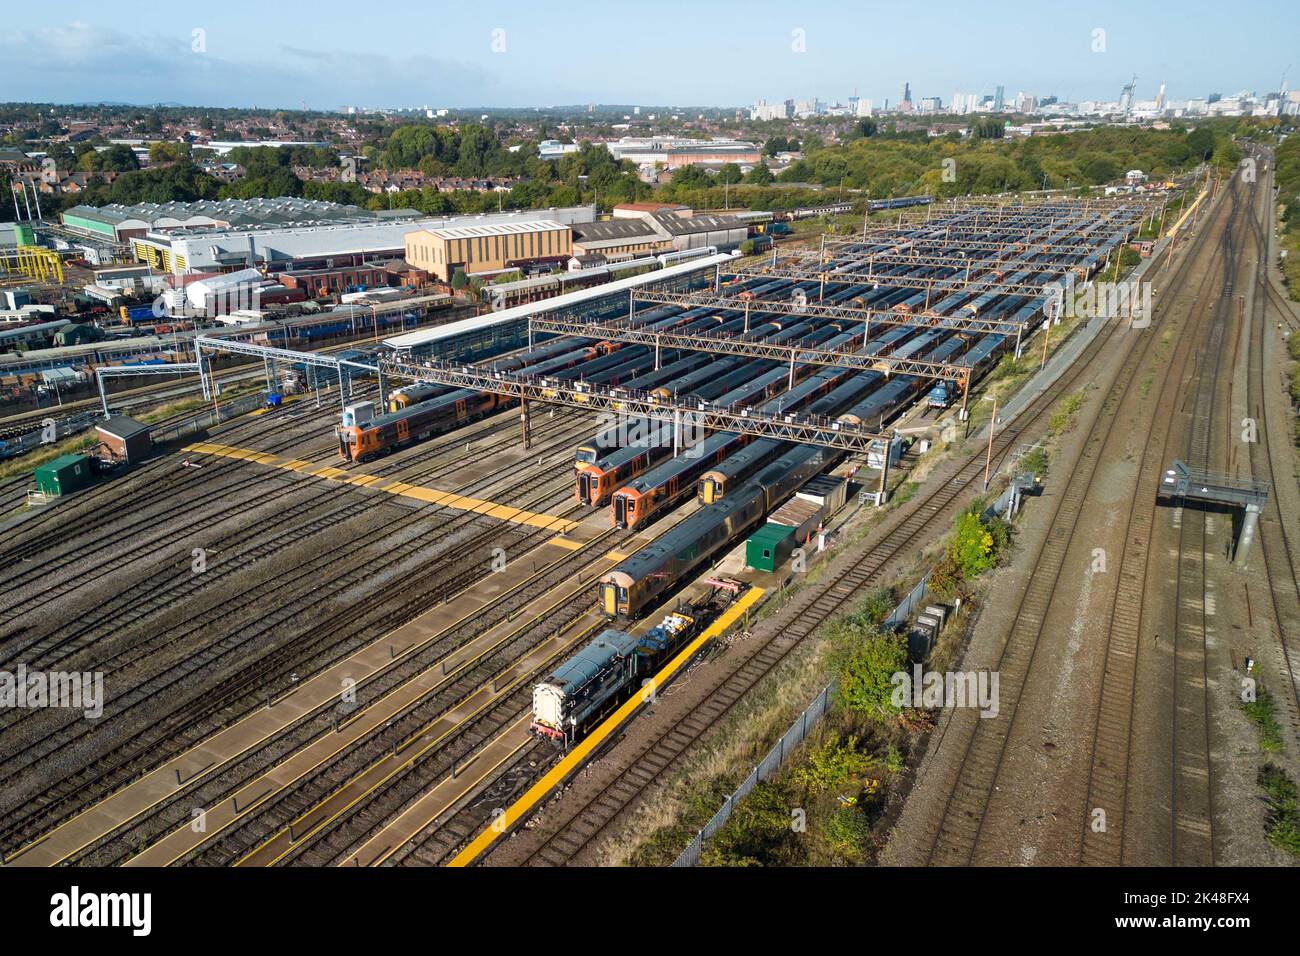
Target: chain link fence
x: 766, y: 767
x: 208, y: 417
x: 798, y: 730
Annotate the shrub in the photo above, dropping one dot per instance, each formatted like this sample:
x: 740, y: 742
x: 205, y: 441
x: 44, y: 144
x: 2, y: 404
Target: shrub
x: 831, y: 766
x: 878, y: 605
x: 846, y: 834
x: 945, y: 579
x: 1035, y: 462
x: 1283, y: 817
x: 757, y: 833
x: 864, y: 662
x: 1001, y: 531
x: 1262, y: 712
x: 971, y: 546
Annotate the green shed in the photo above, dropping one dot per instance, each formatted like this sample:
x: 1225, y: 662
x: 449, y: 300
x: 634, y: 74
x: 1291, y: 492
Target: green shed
x: 769, y: 546
x: 63, y: 475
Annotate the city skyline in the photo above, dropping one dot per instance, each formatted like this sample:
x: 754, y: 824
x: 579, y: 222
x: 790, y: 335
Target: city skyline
x: 496, y: 56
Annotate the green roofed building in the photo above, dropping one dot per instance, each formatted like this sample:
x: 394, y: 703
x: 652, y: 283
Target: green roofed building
x: 63, y: 475
x: 769, y: 546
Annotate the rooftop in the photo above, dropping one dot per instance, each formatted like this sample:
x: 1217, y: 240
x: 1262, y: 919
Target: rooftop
x: 497, y: 229
x: 281, y: 211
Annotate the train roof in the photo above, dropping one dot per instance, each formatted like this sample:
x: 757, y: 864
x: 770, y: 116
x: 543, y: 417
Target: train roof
x: 568, y: 300
x: 608, y: 645
x: 409, y: 410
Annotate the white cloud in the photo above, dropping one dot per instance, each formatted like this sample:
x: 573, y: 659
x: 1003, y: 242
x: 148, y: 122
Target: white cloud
x: 82, y: 62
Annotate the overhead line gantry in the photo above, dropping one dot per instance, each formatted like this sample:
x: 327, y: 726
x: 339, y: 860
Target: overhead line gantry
x: 930, y: 285
x: 698, y: 414
x: 757, y: 306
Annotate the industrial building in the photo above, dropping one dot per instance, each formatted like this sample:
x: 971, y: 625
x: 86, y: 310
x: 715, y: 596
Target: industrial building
x: 488, y: 248
x: 121, y: 223
x: 275, y: 234
x: 124, y: 439
x: 618, y: 239
x: 646, y: 228
x: 673, y: 152
x: 498, y: 331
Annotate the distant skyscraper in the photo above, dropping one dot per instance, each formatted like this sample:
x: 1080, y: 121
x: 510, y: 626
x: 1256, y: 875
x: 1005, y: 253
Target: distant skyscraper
x: 906, y: 105
x: 1160, y: 98
x: 999, y: 98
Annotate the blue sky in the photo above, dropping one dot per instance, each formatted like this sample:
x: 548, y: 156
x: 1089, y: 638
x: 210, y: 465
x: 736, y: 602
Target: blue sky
x: 703, y: 52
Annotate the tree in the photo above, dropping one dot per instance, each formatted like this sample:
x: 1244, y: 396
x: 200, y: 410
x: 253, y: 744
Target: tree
x: 779, y: 144
x: 690, y: 177
x: 760, y: 175
x: 971, y: 546
x: 864, y: 662
x: 1200, y: 144
x: 459, y: 280
x: 160, y: 153
x: 118, y: 158
x: 729, y: 174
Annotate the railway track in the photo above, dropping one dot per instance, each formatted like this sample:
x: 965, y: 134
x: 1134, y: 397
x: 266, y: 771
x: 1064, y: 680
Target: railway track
x: 954, y: 832
x: 151, y: 595
x: 252, y: 673
x: 409, y: 726
x: 1110, y: 755
x: 389, y: 468
x: 585, y: 824
x: 1273, y: 461
x: 218, y: 699
x: 1191, y: 811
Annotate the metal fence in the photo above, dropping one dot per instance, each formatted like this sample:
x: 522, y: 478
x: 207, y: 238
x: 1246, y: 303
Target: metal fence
x: 817, y: 709
x: 900, y: 614
x: 200, y: 420
x: 766, y: 767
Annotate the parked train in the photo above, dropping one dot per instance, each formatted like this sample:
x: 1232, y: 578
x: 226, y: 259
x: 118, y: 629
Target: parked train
x: 638, y: 581
x: 667, y: 483
x: 433, y: 417
x: 642, y: 578
x: 605, y: 672
x: 902, y: 202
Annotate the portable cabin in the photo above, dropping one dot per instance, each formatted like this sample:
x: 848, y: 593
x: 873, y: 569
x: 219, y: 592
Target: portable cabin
x: 63, y: 475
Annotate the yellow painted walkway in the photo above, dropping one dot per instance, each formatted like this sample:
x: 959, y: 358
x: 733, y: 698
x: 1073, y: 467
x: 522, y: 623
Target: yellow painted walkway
x: 576, y: 757
x: 444, y: 499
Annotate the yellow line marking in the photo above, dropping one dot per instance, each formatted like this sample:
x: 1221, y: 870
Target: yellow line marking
x: 578, y: 755
x: 444, y: 499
